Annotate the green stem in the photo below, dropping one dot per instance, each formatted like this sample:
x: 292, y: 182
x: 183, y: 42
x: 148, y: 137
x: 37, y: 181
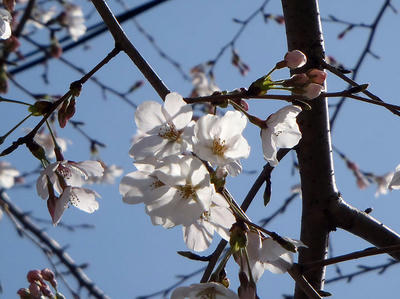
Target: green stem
x: 248, y: 266
x: 13, y: 101
x: 253, y: 119
x: 56, y: 146
x: 2, y: 138
x: 271, y: 71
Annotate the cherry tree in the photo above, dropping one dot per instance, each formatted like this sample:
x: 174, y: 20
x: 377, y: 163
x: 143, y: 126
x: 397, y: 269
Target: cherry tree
x: 190, y: 149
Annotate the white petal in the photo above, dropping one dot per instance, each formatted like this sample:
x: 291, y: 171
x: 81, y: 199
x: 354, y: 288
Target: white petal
x: 82, y: 198
x: 198, y: 236
x: 269, y: 147
x: 149, y: 116
x: 395, y: 182
x: 177, y: 111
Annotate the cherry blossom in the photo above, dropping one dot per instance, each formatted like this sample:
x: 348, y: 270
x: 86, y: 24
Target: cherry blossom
x: 219, y: 140
x: 111, y: 172
x: 266, y: 254
x: 66, y: 179
x: 219, y: 218
x: 74, y: 20
x: 162, y: 128
x: 5, y: 27
x: 46, y: 141
x: 7, y: 175
x: 382, y: 183
x: 204, y: 290
x: 202, y: 86
x: 295, y: 59
x: 281, y: 131
x: 177, y: 192
x: 395, y: 182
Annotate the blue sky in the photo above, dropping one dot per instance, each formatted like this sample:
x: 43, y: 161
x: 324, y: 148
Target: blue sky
x: 128, y: 256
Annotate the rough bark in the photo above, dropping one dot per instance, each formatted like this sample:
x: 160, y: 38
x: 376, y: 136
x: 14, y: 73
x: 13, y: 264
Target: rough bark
x: 303, y: 30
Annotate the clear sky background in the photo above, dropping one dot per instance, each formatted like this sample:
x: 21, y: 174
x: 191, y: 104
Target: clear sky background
x: 127, y: 255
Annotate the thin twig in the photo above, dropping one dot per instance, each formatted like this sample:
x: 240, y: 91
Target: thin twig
x: 54, y: 247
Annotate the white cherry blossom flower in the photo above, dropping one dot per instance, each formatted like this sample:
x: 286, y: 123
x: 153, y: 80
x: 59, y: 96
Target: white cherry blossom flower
x: 65, y: 178
x: 395, y: 182
x: 177, y: 192
x: 382, y: 183
x: 266, y: 254
x: 281, y: 131
x: 204, y: 290
x: 219, y: 140
x: 66, y: 173
x: 5, y: 27
x: 202, y: 86
x: 46, y: 141
x: 163, y: 128
x: 111, y: 172
x: 198, y: 236
x: 7, y: 175
x: 74, y: 20
x: 81, y: 198
x: 41, y: 16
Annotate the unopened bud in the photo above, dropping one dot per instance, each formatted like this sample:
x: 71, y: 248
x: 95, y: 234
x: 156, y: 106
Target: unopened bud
x: 45, y: 289
x: 48, y: 275
x: 297, y: 80
x: 24, y: 293
x: 40, y: 108
x: 11, y: 44
x: 312, y: 90
x: 317, y: 76
x: 34, y: 275
x: 34, y: 290
x: 295, y: 59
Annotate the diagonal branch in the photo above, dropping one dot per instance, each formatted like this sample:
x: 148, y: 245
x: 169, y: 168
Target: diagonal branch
x: 54, y: 247
x: 125, y: 44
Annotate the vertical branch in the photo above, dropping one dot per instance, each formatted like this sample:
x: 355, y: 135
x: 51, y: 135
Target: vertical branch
x: 303, y: 30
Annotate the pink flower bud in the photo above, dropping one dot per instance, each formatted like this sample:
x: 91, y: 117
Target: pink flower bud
x: 45, y: 289
x: 297, y: 80
x: 48, y: 275
x: 295, y: 59
x: 34, y: 275
x: 23, y: 293
x: 34, y: 289
x: 312, y: 90
x: 317, y: 76
x: 221, y: 172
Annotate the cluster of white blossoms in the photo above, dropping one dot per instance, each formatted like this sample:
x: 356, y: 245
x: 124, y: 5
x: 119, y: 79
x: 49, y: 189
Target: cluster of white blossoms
x: 172, y: 180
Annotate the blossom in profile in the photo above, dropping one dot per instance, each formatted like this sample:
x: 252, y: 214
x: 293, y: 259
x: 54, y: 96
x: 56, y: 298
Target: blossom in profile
x: 219, y: 140
x: 162, y: 128
x: 395, y: 182
x: 219, y: 218
x: 201, y: 85
x: 295, y: 59
x: 61, y: 184
x: 281, y: 131
x: 5, y: 26
x: 204, y: 290
x: 7, y: 175
x: 266, y: 254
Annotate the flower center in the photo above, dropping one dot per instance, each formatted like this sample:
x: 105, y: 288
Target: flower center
x: 156, y: 184
x: 64, y: 171
x: 219, y: 147
x: 186, y: 191
x: 169, y: 131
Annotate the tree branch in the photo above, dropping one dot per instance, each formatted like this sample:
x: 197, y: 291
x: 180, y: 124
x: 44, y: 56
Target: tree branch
x: 124, y: 43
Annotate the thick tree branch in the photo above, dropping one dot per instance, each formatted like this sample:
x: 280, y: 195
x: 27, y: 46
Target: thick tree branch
x: 303, y: 31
